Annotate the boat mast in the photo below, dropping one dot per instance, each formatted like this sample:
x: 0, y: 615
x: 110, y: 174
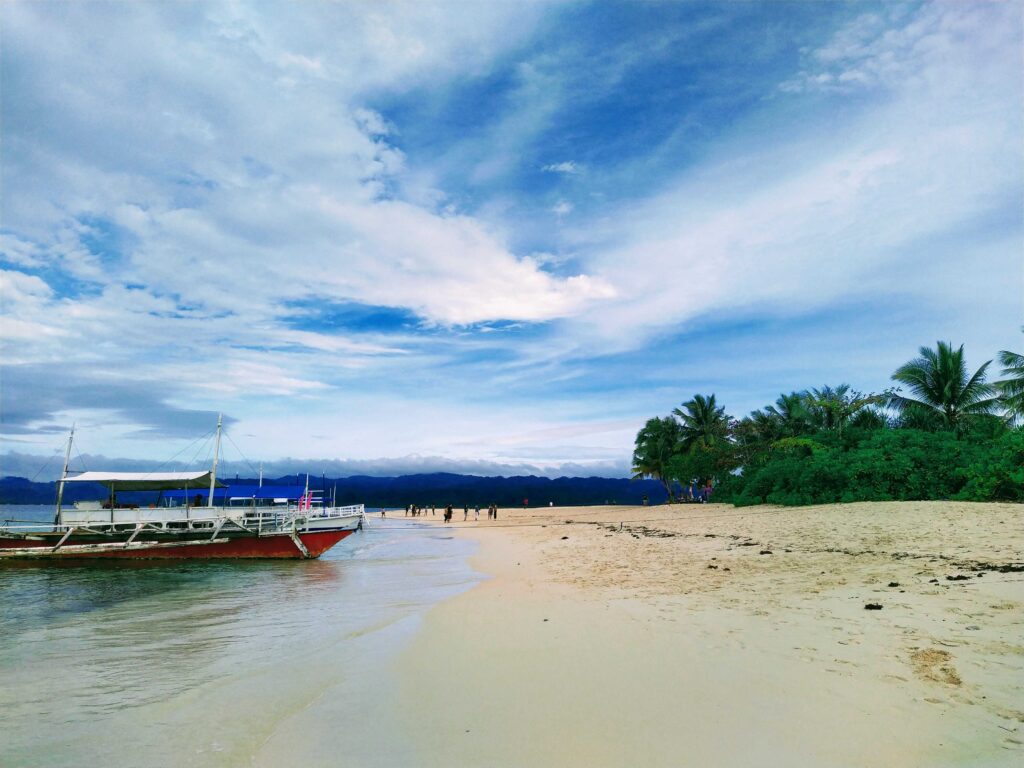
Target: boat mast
x: 216, y: 455
x: 261, y: 474
x: 64, y: 474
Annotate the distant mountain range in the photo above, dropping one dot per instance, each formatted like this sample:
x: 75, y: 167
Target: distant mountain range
x: 437, y: 488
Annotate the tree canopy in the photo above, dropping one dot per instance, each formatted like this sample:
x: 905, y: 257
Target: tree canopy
x: 938, y: 382
x: 1011, y: 389
x: 939, y: 435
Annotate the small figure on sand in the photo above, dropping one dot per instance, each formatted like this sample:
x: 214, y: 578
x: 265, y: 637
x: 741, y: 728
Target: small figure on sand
x: 448, y: 513
x: 476, y: 514
x: 465, y: 512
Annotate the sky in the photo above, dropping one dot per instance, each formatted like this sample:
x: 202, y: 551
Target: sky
x: 487, y: 237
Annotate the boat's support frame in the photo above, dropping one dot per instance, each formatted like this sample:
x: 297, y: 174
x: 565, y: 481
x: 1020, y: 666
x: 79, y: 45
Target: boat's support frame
x: 298, y: 543
x: 70, y: 550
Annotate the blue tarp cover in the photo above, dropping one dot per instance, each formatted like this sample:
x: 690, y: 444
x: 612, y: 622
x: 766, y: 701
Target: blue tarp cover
x: 290, y: 492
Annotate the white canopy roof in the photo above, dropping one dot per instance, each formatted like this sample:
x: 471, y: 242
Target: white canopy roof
x: 146, y: 481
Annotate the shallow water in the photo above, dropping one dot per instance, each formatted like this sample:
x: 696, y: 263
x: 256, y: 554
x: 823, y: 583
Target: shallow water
x: 202, y: 663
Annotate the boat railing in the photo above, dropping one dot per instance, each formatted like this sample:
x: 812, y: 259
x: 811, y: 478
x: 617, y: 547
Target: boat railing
x: 349, y: 511
x: 194, y: 518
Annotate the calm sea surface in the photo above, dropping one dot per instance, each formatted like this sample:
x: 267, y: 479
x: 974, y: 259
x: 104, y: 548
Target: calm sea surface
x: 201, y: 664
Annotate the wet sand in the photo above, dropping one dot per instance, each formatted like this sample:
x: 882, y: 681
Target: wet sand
x: 707, y: 635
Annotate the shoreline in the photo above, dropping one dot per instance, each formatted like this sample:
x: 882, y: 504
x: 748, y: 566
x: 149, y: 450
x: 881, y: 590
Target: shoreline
x: 675, y: 641
x: 217, y: 664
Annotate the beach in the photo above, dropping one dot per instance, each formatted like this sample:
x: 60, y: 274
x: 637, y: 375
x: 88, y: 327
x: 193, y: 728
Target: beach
x: 684, y: 635
x: 712, y: 635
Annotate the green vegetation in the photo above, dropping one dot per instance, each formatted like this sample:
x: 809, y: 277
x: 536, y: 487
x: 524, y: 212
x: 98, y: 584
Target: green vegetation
x: 939, y: 381
x: 1011, y: 389
x: 950, y: 435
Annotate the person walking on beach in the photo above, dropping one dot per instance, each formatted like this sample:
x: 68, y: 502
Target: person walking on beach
x: 476, y: 514
x: 465, y: 512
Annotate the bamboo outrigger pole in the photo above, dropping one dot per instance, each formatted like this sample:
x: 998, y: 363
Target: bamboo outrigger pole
x: 63, y: 475
x: 216, y: 455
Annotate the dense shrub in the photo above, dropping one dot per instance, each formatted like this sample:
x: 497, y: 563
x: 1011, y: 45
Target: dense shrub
x: 996, y: 474
x: 883, y: 465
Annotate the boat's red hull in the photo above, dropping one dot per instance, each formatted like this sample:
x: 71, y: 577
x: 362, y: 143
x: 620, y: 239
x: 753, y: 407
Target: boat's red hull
x: 280, y: 546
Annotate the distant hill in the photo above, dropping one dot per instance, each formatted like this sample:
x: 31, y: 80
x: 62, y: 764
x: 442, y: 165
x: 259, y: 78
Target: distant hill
x: 438, y: 488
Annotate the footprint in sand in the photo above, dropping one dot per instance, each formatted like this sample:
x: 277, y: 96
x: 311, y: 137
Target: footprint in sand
x: 935, y: 665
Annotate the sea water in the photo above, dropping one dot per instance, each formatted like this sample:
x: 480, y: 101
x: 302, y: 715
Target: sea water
x: 149, y: 663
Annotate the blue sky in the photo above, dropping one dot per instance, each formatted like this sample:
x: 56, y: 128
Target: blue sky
x: 490, y: 237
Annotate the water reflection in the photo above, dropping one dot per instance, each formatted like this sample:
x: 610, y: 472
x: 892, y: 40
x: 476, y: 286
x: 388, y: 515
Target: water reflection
x: 83, y: 646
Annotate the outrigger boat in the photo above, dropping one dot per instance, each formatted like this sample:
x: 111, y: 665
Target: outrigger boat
x: 190, y: 531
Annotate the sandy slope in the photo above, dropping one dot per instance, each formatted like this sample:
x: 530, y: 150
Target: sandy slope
x: 706, y: 635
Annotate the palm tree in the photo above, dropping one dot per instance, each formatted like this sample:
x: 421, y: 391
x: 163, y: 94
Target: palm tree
x: 939, y: 383
x: 835, y: 407
x: 791, y: 414
x: 919, y: 417
x: 656, y: 443
x: 870, y: 417
x: 763, y: 426
x: 1011, y: 389
x: 703, y: 423
x: 754, y: 434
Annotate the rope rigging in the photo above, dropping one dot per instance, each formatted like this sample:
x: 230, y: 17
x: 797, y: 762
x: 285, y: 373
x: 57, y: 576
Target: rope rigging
x: 244, y: 458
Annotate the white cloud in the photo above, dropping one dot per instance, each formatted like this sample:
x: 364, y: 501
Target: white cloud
x: 246, y: 175
x: 832, y: 214
x: 471, y: 276
x: 562, y: 208
x: 897, y: 48
x: 19, y: 252
x: 24, y: 322
x: 372, y: 123
x: 567, y: 167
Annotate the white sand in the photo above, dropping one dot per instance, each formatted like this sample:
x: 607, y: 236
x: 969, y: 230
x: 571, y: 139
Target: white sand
x: 616, y: 648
